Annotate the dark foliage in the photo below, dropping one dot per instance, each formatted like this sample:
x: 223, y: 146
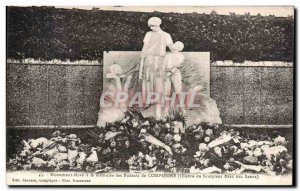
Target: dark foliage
x: 48, y: 33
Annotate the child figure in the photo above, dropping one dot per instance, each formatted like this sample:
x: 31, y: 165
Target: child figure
x: 156, y: 42
x: 171, y: 65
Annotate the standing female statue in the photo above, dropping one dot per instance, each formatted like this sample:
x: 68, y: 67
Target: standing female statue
x: 150, y: 72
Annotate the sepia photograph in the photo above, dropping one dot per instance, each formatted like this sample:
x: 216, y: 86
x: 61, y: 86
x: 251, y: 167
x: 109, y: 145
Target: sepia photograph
x: 150, y: 95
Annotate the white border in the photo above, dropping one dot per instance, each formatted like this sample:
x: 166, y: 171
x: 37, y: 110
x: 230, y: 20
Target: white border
x: 112, y: 2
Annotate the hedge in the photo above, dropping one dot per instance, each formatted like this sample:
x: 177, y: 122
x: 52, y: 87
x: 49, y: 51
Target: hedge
x: 50, y: 33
